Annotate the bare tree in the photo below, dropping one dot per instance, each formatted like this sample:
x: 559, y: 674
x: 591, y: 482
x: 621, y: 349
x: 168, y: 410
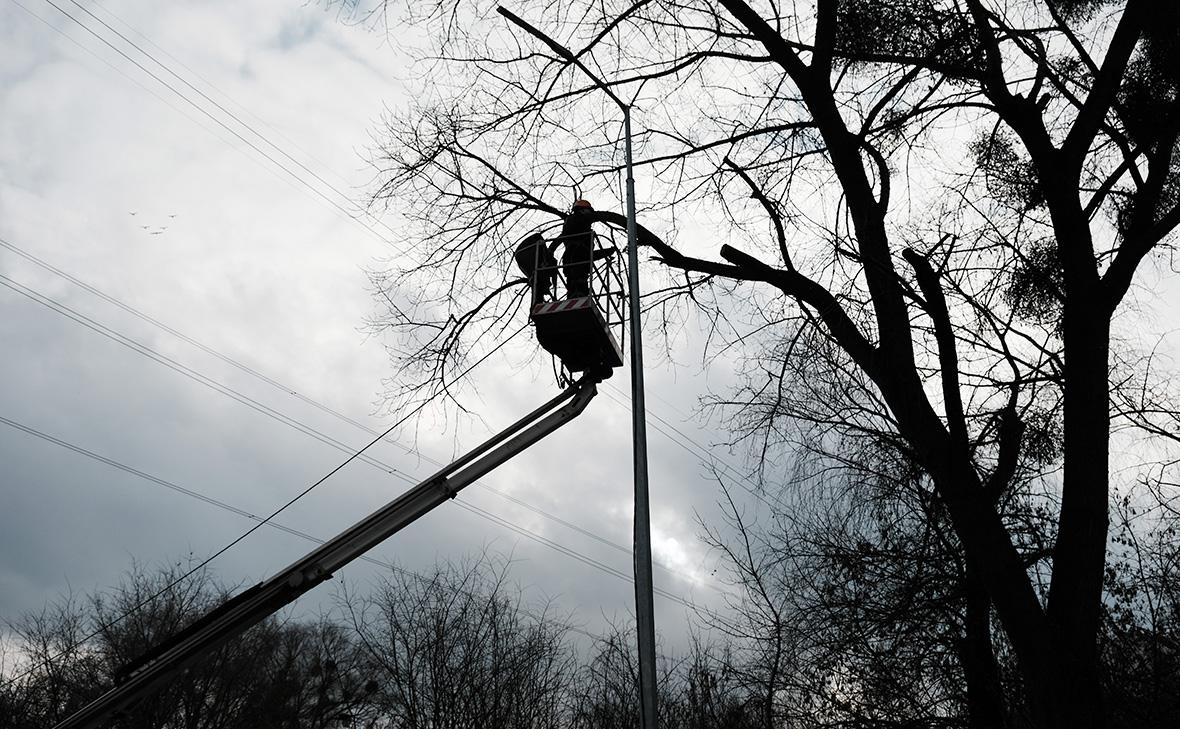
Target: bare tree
x: 279, y: 674
x: 699, y: 691
x: 458, y: 649
x: 1141, y: 631
x: 947, y: 200
x: 853, y: 610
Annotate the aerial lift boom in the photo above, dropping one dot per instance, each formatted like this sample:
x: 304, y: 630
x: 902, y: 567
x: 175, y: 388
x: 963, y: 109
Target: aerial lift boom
x: 264, y: 599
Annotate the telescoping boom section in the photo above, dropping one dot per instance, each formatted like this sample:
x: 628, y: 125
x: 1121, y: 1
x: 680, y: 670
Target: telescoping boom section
x: 264, y: 599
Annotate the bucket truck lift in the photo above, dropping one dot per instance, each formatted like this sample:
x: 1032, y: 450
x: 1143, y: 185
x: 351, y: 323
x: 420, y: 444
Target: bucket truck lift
x: 576, y: 329
x: 254, y: 604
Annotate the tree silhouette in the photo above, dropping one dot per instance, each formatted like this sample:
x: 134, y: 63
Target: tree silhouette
x: 281, y: 674
x: 927, y: 219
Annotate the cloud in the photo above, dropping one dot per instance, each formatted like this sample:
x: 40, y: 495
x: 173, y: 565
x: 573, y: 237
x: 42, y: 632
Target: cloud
x: 252, y: 261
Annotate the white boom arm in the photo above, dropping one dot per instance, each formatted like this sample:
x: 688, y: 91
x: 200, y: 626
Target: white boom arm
x: 264, y: 599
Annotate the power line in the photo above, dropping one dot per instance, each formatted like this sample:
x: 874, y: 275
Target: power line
x: 225, y: 126
x: 29, y: 430
x: 140, y: 84
x: 269, y: 521
x: 146, y: 351
x: 254, y: 404
x: 179, y: 335
x: 673, y: 597
x: 258, y: 406
x: 215, y: 103
x: 142, y: 349
x: 172, y: 363
x: 281, y: 151
x: 318, y: 177
x: 225, y: 506
x: 178, y: 110
x: 227, y: 391
x: 214, y: 86
x: 287, y: 420
x: 182, y: 369
x: 192, y: 373
x: 701, y: 451
x: 261, y: 522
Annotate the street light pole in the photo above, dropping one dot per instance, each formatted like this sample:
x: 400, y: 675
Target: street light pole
x: 645, y: 618
x: 644, y: 608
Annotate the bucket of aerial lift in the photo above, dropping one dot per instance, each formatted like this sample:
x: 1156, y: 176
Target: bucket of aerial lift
x: 574, y: 331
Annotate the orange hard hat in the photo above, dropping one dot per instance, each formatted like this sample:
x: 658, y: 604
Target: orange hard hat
x: 583, y: 204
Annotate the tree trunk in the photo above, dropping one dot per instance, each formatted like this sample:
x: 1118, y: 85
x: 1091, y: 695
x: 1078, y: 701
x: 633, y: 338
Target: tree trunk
x: 1075, y: 593
x: 985, y: 698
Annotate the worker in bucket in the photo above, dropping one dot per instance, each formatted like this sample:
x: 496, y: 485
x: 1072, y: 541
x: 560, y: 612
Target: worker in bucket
x: 578, y: 239
x: 538, y: 264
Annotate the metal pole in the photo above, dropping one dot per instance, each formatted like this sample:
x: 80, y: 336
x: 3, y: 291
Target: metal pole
x: 644, y: 609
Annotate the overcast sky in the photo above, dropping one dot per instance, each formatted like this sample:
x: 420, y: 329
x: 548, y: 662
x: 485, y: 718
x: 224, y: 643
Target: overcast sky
x: 209, y: 186
x: 157, y: 198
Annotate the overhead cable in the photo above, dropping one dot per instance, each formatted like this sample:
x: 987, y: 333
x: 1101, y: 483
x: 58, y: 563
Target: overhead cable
x: 260, y: 407
x: 311, y: 187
